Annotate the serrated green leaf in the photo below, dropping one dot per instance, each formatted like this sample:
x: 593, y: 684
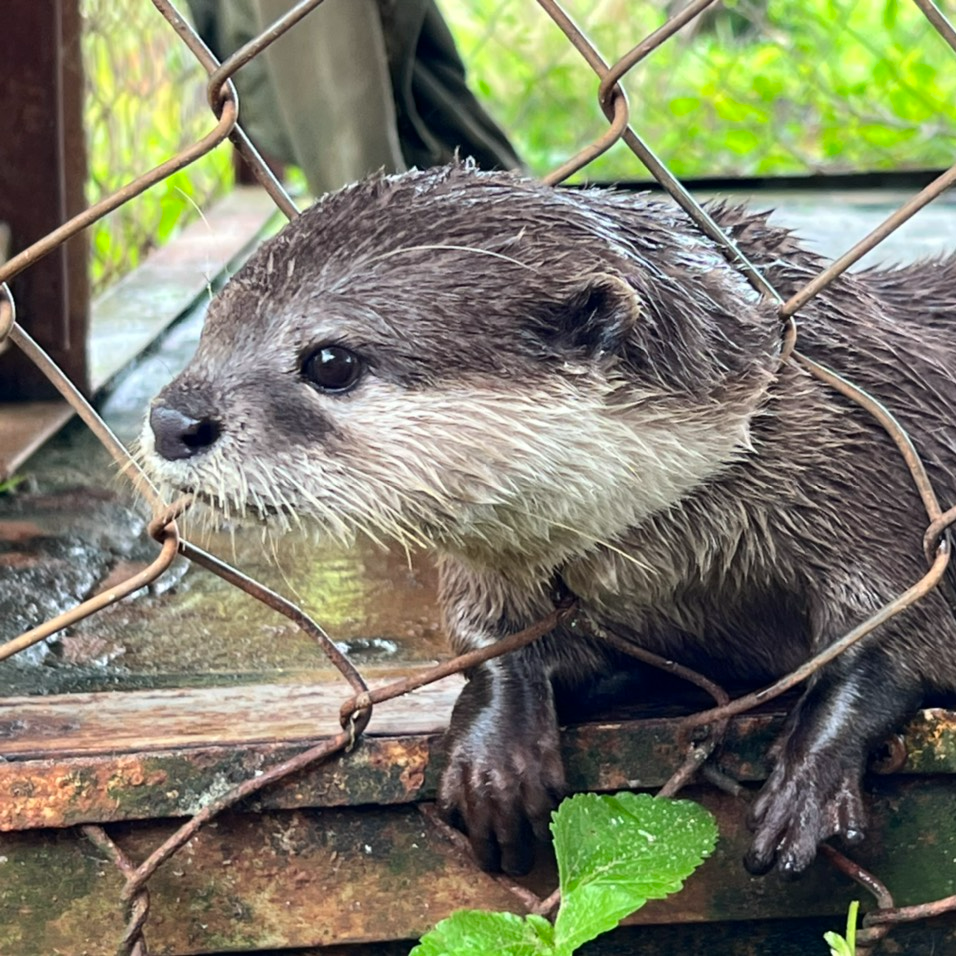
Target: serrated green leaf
x: 474, y: 933
x: 617, y: 852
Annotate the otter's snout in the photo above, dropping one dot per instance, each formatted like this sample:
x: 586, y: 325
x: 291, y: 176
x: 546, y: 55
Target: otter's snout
x: 178, y: 435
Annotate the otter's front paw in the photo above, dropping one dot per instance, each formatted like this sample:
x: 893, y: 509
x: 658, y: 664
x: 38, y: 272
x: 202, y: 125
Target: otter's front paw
x: 504, y: 773
x: 803, y: 803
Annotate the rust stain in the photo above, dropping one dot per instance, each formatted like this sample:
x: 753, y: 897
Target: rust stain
x: 410, y: 758
x: 11, y: 530
x: 121, y: 571
x: 931, y: 741
x: 55, y: 794
x: 412, y: 779
x: 19, y: 559
x: 87, y: 648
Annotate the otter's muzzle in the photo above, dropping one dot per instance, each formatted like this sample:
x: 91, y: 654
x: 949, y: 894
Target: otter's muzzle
x: 178, y: 436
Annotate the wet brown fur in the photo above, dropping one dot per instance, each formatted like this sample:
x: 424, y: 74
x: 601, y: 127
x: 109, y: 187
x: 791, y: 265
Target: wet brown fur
x: 576, y: 386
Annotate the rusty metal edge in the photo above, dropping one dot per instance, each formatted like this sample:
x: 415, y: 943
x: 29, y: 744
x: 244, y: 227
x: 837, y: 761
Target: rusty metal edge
x: 69, y: 789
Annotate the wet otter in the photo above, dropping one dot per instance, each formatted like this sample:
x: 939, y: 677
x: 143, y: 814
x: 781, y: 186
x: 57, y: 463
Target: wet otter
x: 542, y: 384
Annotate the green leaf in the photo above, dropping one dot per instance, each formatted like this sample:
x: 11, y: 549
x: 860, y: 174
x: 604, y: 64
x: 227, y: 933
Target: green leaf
x: 891, y: 13
x: 474, y: 933
x: 10, y: 483
x: 838, y: 945
x: 617, y: 852
x: 767, y: 88
x: 742, y: 141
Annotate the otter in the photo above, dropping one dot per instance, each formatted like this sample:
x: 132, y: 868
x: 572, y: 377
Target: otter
x: 574, y: 386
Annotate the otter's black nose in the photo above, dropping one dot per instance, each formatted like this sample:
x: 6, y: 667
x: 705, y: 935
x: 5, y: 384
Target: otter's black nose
x: 179, y: 436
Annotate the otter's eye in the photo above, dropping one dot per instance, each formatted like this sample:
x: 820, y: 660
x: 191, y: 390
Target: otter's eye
x: 333, y: 368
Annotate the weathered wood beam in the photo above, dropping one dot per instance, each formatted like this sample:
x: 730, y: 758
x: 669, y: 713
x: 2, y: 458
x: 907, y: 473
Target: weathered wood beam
x: 42, y: 180
x: 106, y: 757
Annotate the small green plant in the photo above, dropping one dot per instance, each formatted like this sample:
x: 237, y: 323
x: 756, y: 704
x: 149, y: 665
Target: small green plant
x: 614, y: 854
x: 8, y: 484
x: 840, y: 945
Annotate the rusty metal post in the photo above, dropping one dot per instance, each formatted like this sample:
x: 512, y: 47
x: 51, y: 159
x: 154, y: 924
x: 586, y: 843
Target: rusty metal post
x: 42, y: 176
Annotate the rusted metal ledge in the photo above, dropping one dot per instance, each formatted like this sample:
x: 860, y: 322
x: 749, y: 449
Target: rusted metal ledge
x: 99, y: 758
x: 340, y: 854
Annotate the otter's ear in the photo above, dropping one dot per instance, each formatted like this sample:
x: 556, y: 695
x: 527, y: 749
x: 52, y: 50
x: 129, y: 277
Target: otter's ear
x: 598, y: 316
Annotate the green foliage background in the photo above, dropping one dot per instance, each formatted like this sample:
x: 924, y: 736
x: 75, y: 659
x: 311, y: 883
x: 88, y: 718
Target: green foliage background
x: 755, y: 88
x: 145, y: 101
x: 758, y: 88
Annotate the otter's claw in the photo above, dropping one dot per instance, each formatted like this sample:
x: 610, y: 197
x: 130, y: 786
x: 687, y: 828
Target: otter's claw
x: 798, y: 809
x: 502, y: 777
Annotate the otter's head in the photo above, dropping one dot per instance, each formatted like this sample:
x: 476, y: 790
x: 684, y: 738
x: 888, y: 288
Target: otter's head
x: 469, y: 361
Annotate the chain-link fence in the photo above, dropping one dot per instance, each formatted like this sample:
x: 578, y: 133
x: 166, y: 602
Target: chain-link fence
x: 880, y: 97
x: 357, y: 699
x: 144, y: 101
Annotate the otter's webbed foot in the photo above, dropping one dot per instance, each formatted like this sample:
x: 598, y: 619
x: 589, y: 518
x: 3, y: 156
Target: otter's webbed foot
x: 802, y: 804
x: 504, y: 774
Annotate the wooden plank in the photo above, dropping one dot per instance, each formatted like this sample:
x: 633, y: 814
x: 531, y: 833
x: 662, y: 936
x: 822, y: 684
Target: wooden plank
x: 131, y: 314
x: 136, y: 755
x: 147, y: 754
x: 262, y: 878
x: 144, y: 720
x: 137, y: 721
x: 24, y: 427
x: 42, y: 180
x: 61, y: 792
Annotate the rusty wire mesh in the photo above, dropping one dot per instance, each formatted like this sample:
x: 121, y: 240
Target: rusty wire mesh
x: 144, y: 100
x: 358, y: 700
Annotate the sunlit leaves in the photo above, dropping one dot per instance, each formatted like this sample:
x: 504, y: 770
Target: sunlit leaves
x: 614, y: 854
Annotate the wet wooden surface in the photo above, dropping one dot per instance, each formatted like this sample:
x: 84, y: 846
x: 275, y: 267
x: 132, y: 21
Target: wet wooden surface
x: 73, y: 758
x: 130, y: 314
x: 24, y: 427
x: 149, y: 720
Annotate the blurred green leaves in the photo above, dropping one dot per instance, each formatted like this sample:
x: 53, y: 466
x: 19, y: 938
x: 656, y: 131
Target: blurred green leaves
x: 756, y: 88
